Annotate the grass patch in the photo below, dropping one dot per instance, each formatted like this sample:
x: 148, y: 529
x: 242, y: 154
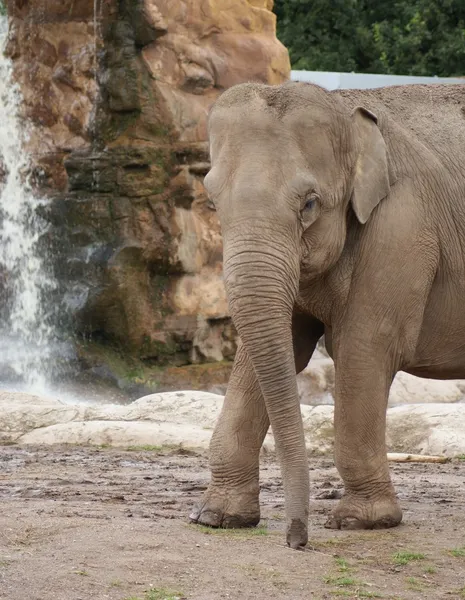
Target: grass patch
x: 81, y: 572
x: 355, y: 594
x: 342, y: 564
x: 332, y: 543
x: 238, y: 532
x: 457, y: 552
x: 414, y: 584
x: 405, y: 557
x: 341, y: 581
x: 163, y: 594
x: 430, y: 570
x: 460, y: 457
x: 346, y: 580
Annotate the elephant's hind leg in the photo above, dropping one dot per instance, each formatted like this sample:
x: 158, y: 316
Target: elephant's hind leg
x: 232, y: 498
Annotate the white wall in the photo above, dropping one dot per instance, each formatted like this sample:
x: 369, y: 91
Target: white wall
x: 334, y: 81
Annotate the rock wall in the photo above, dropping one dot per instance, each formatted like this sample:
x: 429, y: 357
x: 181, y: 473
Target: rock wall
x: 118, y: 93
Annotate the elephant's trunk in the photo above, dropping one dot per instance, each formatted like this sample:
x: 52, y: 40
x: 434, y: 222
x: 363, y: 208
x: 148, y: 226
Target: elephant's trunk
x: 261, y: 278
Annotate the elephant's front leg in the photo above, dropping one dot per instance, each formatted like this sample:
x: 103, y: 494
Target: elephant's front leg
x: 362, y: 388
x: 232, y: 496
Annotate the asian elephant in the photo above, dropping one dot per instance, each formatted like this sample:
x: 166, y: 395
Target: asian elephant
x: 343, y: 214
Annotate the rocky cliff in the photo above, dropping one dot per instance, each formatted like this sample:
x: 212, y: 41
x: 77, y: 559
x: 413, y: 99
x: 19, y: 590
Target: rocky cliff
x: 118, y: 93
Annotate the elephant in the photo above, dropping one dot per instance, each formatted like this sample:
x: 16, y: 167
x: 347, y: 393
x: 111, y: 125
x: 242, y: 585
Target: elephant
x: 342, y: 215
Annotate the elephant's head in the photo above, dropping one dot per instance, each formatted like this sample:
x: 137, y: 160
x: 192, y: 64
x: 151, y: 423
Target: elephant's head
x: 287, y: 162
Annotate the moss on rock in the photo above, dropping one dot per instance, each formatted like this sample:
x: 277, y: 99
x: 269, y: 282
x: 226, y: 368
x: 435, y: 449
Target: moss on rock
x: 128, y: 371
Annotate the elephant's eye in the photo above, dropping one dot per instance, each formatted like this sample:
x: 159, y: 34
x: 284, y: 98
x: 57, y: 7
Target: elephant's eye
x: 309, y: 204
x: 310, y: 201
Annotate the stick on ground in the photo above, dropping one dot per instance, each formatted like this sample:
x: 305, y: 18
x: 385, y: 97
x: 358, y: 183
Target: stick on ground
x: 424, y: 458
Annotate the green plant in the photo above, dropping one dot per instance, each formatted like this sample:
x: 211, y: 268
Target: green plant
x: 239, y: 532
x: 355, y: 594
x: 145, y: 448
x: 431, y: 570
x: 404, y: 557
x: 340, y: 581
x: 405, y: 37
x: 457, y: 552
x: 342, y: 564
x: 414, y: 584
x: 163, y: 594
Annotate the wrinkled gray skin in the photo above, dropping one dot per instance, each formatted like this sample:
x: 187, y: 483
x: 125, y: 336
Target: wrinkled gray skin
x: 340, y: 222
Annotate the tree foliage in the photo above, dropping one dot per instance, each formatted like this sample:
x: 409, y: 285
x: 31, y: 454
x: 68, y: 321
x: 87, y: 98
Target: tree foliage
x: 400, y: 37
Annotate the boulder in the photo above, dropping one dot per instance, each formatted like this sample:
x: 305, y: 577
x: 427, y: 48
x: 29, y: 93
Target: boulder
x: 21, y: 413
x: 407, y: 389
x: 427, y: 429
x: 120, y: 434
x: 316, y: 386
x: 188, y: 418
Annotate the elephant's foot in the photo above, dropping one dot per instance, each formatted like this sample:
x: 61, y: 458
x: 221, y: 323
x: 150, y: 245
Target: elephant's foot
x: 353, y: 512
x: 228, y: 507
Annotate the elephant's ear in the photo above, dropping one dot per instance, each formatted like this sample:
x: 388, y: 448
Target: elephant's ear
x: 374, y: 173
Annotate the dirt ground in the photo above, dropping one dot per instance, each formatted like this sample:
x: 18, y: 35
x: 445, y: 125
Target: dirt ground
x: 91, y: 524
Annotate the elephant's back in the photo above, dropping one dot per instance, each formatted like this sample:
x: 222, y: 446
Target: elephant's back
x: 435, y: 113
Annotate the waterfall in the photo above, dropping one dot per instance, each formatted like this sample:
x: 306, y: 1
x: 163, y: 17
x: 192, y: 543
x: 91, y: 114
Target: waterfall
x: 27, y: 334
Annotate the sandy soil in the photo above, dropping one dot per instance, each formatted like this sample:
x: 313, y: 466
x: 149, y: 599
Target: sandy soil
x: 93, y: 524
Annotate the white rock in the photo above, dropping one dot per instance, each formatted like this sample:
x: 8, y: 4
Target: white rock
x: 407, y: 389
x: 23, y: 412
x: 427, y: 429
x: 188, y: 418
x: 316, y: 386
x: 197, y: 408
x: 318, y: 428
x: 120, y: 434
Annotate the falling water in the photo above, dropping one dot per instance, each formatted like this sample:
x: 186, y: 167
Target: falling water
x: 26, y: 332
